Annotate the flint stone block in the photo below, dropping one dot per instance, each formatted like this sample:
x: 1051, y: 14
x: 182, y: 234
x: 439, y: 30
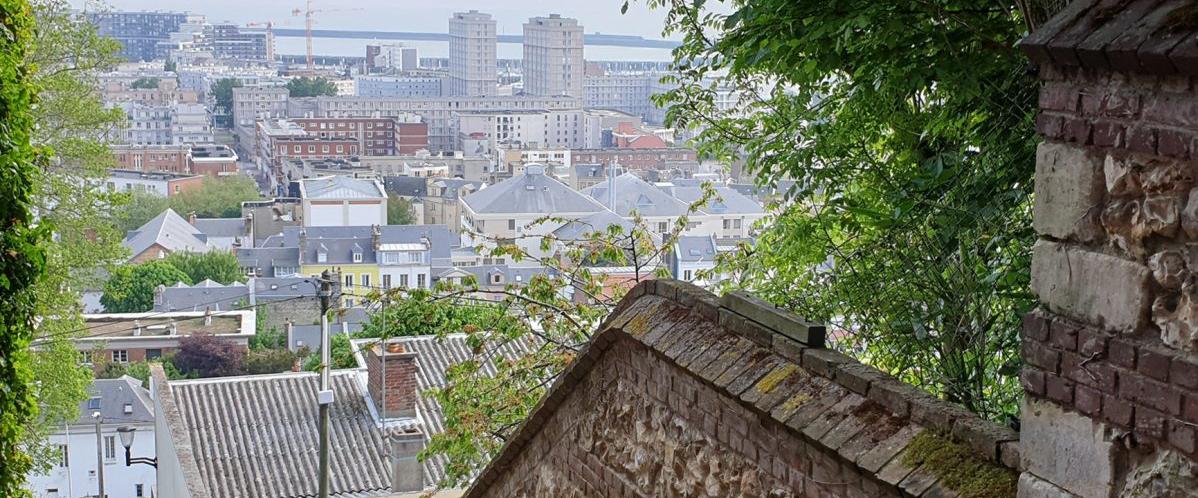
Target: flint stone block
x: 1093, y: 287
x: 1069, y: 186
x: 1068, y: 449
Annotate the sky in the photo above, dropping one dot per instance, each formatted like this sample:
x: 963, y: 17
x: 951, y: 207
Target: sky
x: 415, y: 15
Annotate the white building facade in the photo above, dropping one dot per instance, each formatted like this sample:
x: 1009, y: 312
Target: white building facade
x: 472, y: 57
x: 553, y: 56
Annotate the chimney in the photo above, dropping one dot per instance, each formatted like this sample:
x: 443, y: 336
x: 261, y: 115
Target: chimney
x: 191, y: 218
x: 397, y: 396
x: 407, y: 474
x: 158, y: 295
x: 249, y: 229
x: 303, y: 244
x: 290, y: 330
x: 376, y: 235
x: 207, y: 316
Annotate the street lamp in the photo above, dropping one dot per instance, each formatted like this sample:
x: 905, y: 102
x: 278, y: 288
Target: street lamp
x: 126, y: 433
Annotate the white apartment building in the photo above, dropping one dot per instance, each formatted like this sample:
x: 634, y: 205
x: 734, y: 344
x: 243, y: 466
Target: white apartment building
x: 553, y: 62
x: 624, y: 92
x: 398, y: 56
x: 256, y: 103
x: 472, y: 59
x: 146, y: 124
x: 439, y: 113
x: 191, y: 124
x: 121, y: 403
x: 567, y: 129
x: 341, y: 201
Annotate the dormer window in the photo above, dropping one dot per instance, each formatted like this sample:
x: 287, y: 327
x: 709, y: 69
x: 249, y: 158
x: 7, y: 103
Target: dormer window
x: 357, y: 257
x: 322, y: 257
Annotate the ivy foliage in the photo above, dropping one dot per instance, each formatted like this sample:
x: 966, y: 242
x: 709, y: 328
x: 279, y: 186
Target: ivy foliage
x: 899, y: 136
x: 22, y: 259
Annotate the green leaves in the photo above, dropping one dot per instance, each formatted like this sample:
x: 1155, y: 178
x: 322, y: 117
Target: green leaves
x: 130, y: 289
x: 907, y: 128
x: 311, y: 87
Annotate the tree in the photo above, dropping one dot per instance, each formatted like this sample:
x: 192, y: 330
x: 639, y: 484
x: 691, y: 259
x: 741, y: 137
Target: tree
x: 219, y: 266
x: 138, y: 208
x: 206, y: 355
x: 311, y: 87
x: 222, y: 92
x: 399, y: 211
x: 170, y: 66
x: 130, y: 289
x: 907, y: 130
x: 24, y: 260
x: 145, y: 83
x: 219, y: 197
x: 73, y: 129
x: 268, y: 361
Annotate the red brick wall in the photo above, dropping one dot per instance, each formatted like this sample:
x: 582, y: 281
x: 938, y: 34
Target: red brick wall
x: 214, y: 168
x: 411, y: 137
x: 176, y: 187
x: 400, y: 384
x: 172, y: 160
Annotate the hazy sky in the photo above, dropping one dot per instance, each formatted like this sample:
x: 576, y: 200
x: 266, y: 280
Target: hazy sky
x: 416, y: 15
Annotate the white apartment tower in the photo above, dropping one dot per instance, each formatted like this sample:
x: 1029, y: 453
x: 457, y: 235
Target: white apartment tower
x: 472, y: 64
x: 553, y: 63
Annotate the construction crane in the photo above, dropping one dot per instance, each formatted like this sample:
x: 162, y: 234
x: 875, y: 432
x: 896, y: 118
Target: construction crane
x: 308, y: 12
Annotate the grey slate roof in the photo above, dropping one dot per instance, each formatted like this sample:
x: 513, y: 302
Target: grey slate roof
x: 112, y: 396
x: 340, y: 242
x: 265, y: 259
x: 696, y: 248
x: 340, y: 187
x: 168, y: 230
x: 727, y: 200
x: 532, y: 192
x: 407, y: 186
x: 634, y: 194
x: 511, y: 274
x: 219, y: 297
x: 254, y: 436
x: 221, y: 227
x: 599, y: 222
x: 452, y: 185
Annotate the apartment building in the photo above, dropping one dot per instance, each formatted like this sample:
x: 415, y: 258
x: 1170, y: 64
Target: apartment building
x: 553, y: 56
x: 140, y: 33
x: 532, y: 129
x: 398, y: 86
x: 634, y: 159
x: 251, y: 104
x: 195, y: 159
x: 624, y: 92
x: 376, y: 136
x: 438, y: 113
x: 472, y: 46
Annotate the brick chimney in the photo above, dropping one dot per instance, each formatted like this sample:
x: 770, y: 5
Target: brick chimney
x: 407, y: 474
x: 398, y: 384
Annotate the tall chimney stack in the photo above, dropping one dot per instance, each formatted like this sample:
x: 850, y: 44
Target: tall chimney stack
x: 391, y: 378
x: 407, y: 474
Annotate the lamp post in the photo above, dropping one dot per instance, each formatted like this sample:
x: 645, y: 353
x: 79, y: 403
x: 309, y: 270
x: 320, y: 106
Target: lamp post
x: 99, y: 452
x: 126, y: 433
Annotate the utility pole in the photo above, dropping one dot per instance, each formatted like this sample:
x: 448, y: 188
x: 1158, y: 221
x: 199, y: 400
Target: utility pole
x: 99, y: 452
x: 325, y: 396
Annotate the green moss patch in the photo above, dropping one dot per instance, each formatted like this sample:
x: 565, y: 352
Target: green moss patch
x: 959, y: 468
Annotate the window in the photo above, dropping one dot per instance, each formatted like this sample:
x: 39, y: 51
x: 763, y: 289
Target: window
x: 365, y: 280
x: 349, y: 303
x: 686, y: 275
x: 357, y: 257
x: 64, y: 455
x: 85, y: 358
x: 324, y: 149
x: 663, y: 226
x: 110, y: 447
x: 386, y: 281
x: 139, y: 489
x: 153, y: 354
x: 93, y: 403
x: 511, y: 224
x: 322, y: 257
x: 120, y: 356
x: 420, y: 280
x: 349, y: 280
x: 311, y: 149
x: 403, y: 280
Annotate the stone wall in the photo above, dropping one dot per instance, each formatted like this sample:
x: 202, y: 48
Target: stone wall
x: 1110, y: 371
x: 681, y: 393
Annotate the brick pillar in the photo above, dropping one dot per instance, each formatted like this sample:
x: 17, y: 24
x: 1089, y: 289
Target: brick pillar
x: 1110, y: 363
x: 400, y: 379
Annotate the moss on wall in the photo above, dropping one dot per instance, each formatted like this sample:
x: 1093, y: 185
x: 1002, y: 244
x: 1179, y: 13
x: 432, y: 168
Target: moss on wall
x: 959, y: 468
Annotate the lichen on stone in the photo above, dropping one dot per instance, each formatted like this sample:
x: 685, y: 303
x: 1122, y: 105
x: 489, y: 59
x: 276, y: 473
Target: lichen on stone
x: 958, y: 468
x: 771, y: 380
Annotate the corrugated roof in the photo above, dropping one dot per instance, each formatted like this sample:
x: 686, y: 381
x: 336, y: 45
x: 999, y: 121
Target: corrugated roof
x: 256, y: 435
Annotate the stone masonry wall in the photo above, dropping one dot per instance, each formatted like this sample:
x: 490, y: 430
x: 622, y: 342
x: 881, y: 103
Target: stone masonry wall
x: 630, y: 430
x: 1110, y: 363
